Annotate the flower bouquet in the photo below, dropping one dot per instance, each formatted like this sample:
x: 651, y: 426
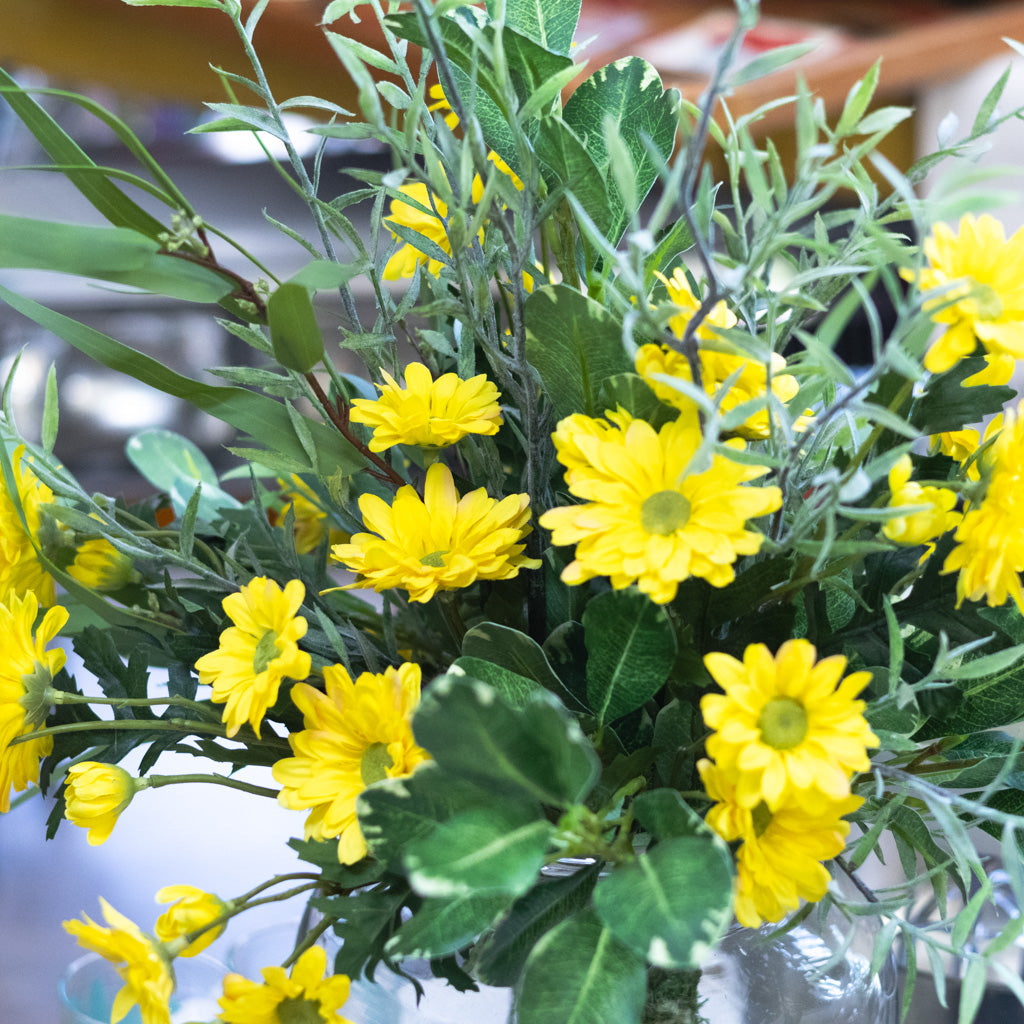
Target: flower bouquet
x: 609, y: 609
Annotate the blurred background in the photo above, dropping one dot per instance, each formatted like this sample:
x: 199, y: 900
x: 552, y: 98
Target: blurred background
x: 150, y: 65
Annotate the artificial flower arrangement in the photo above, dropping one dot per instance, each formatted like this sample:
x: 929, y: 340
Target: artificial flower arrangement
x: 622, y: 565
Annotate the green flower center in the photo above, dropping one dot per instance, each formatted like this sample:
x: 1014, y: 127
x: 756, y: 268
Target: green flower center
x: 295, y: 1010
x: 435, y: 560
x: 987, y: 302
x: 36, y: 699
x: 664, y: 512
x: 783, y: 723
x: 266, y: 651
x: 375, y: 763
x: 761, y: 817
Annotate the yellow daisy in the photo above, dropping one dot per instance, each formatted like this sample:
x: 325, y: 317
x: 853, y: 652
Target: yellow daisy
x: 427, y: 412
x: 981, y: 274
x: 779, y: 860
x: 989, y: 551
x: 786, y: 724
x: 140, y: 961
x: 304, y: 996
x: 95, y: 796
x: 258, y: 652
x: 961, y: 445
x: 440, y: 541
x: 645, y: 518
x: 310, y: 520
x: 926, y: 525
x: 26, y: 671
x: 98, y: 565
x: 356, y: 734
x: 681, y: 295
x: 20, y: 569
x: 191, y: 909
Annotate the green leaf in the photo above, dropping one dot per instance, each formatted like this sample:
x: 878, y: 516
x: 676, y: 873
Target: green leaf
x: 119, y: 255
x: 500, y: 957
x: 664, y: 814
x: 575, y: 345
x: 580, y: 973
x: 294, y: 333
x: 632, y: 646
x: 396, y: 812
x: 768, y: 63
x: 537, y: 750
x: 857, y: 101
x: 515, y: 688
x: 102, y: 193
x: 552, y: 23
x: 216, y: 4
x: 440, y: 927
x: 569, y: 164
x: 51, y: 413
x: 625, y: 101
x: 262, y: 418
x: 947, y: 405
x: 237, y: 117
x: 498, y: 849
x: 672, y: 904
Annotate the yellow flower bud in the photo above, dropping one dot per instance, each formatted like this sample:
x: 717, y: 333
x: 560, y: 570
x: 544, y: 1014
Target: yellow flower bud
x: 190, y: 910
x: 98, y: 565
x: 95, y: 795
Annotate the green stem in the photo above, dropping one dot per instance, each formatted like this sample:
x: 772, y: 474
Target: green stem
x: 64, y: 697
x: 184, y: 726
x: 159, y: 781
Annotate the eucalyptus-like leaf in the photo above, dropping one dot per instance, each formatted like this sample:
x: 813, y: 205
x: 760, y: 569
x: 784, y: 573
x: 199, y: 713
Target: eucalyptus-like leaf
x: 536, y: 750
x: 672, y: 904
x: 294, y: 333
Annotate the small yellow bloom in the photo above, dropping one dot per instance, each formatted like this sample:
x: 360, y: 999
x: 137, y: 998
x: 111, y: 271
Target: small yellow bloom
x: 190, y: 910
x: 310, y: 519
x: 645, y: 518
x: 981, y: 274
x: 258, y: 652
x: 687, y: 304
x: 961, y: 445
x: 779, y: 860
x: 427, y: 412
x: 139, y: 960
x: 786, y: 724
x: 926, y: 525
x: 26, y: 671
x: 95, y: 796
x: 304, y: 997
x: 98, y: 565
x: 439, y: 104
x: 20, y: 569
x: 989, y: 551
x: 440, y: 541
x: 356, y: 734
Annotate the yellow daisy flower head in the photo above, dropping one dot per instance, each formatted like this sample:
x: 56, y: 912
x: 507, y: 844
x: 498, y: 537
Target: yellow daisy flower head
x: 438, y: 542
x: 439, y: 105
x: 356, y: 734
x: 656, y: 361
x: 779, y: 859
x: 645, y: 519
x: 304, y: 996
x: 928, y: 524
x: 310, y: 519
x: 258, y: 652
x: 140, y: 961
x: 981, y: 273
x: 95, y: 796
x: 98, y: 565
x: 989, y: 551
x: 191, y: 909
x: 27, y: 669
x: 681, y: 295
x: 786, y: 724
x: 427, y: 412
x: 20, y: 569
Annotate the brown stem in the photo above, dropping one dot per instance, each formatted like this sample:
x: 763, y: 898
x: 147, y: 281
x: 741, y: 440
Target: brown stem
x: 245, y: 290
x: 338, y: 415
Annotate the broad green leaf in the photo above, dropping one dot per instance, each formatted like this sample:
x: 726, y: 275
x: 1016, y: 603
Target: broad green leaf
x: 537, y: 750
x: 294, y: 333
x: 499, y: 958
x: 672, y: 904
x: 515, y: 688
x: 106, y: 197
x: 625, y: 101
x: 575, y: 345
x: 552, y: 23
x: 262, y: 418
x: 174, y: 464
x: 496, y: 131
x: 664, y: 814
x: 119, y: 255
x: 396, y: 812
x: 444, y: 926
x: 580, y: 973
x: 631, y: 392
x: 498, y: 849
x: 947, y: 404
x: 568, y: 163
x: 631, y: 647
